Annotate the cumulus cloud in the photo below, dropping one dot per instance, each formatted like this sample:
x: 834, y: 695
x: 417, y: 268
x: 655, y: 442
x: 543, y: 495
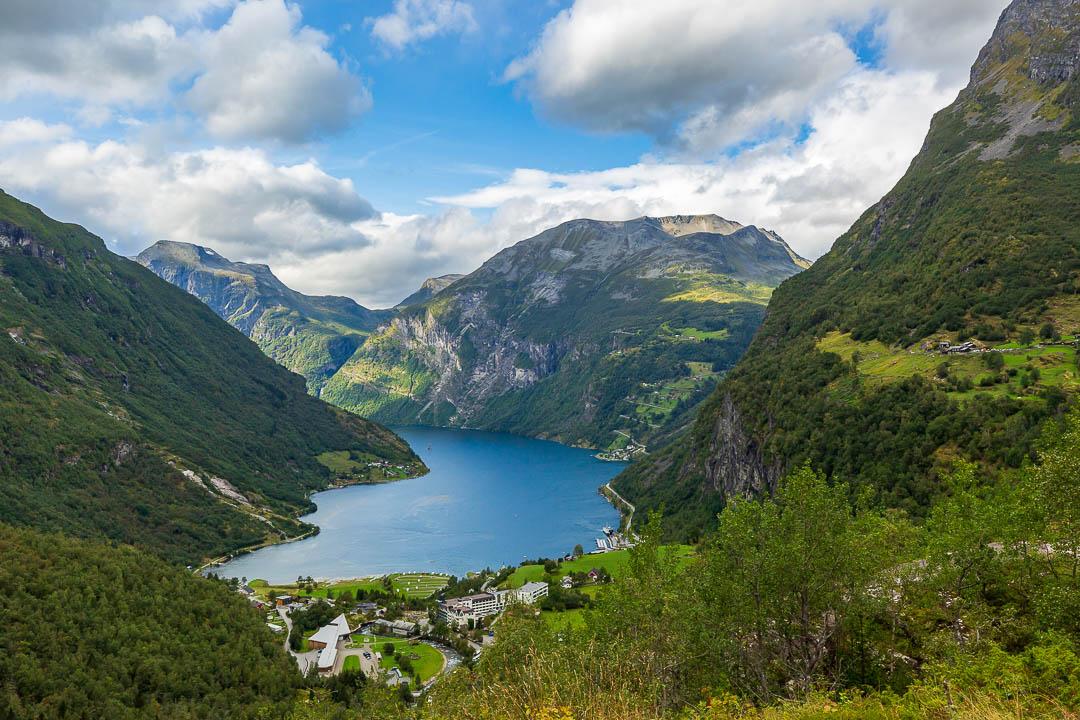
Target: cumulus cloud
x: 237, y: 201
x: 262, y: 75
x: 414, y: 21
x: 865, y: 133
x: 704, y: 75
x: 268, y: 77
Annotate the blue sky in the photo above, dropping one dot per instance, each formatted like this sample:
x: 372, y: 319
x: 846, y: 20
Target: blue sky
x: 359, y: 147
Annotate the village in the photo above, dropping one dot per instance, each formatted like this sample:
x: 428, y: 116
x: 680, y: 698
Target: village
x: 409, y: 629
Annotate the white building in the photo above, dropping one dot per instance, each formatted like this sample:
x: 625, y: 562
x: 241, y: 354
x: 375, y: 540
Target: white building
x: 326, y: 640
x: 458, y: 611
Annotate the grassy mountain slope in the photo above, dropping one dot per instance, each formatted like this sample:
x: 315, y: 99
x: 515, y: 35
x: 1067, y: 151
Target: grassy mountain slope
x: 114, y: 382
x: 597, y: 333
x: 980, y: 240
x: 311, y: 336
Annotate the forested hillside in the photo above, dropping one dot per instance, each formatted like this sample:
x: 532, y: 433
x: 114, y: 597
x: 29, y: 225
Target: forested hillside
x: 806, y: 606
x: 129, y: 411
x: 853, y: 368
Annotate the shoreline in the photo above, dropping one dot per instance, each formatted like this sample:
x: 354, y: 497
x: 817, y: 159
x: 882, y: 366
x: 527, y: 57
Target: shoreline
x: 314, y: 529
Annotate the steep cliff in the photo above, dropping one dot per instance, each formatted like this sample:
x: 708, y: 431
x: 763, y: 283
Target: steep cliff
x: 862, y: 366
x: 597, y: 333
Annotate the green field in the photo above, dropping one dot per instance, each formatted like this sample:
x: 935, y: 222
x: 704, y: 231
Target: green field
x: 613, y: 562
x: 426, y: 660
x: 566, y: 620
x: 351, y: 663
x: 414, y: 585
x: 881, y: 364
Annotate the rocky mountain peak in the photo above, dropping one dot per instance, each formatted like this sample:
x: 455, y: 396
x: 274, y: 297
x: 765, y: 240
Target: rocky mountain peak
x: 1039, y: 39
x: 679, y: 225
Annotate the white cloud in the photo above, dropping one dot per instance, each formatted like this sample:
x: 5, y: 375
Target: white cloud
x: 29, y: 130
x: 262, y: 75
x: 237, y: 201
x: 866, y: 132
x: 703, y: 75
x: 414, y: 21
x: 268, y: 77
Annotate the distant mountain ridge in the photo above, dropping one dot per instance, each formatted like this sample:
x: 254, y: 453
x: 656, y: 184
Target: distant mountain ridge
x: 597, y: 333
x: 430, y: 288
x: 130, y: 412
x: 312, y: 336
x: 979, y: 241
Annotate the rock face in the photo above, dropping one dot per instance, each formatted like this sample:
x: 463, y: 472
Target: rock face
x: 596, y: 333
x: 312, y: 336
x: 979, y: 239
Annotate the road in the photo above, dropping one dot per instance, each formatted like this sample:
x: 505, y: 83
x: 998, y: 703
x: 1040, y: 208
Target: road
x: 304, y: 660
x: 620, y: 498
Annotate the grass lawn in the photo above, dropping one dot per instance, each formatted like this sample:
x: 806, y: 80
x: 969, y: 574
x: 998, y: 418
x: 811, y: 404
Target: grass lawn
x: 351, y: 663
x: 415, y: 585
x: 614, y: 562
x: 566, y: 620
x: 426, y: 660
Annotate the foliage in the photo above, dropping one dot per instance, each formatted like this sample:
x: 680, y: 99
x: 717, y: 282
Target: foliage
x: 97, y: 631
x: 111, y: 380
x: 807, y: 603
x: 972, y: 241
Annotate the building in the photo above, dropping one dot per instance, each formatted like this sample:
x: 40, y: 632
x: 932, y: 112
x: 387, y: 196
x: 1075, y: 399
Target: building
x: 530, y: 592
x: 326, y: 640
x: 459, y: 611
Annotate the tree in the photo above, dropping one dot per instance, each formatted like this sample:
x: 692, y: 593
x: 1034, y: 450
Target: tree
x: 994, y: 360
x: 785, y: 583
x: 388, y: 648
x: 1049, y: 332
x: 578, y: 550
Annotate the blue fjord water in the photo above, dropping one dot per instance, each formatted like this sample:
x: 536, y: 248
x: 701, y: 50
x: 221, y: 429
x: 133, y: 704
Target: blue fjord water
x: 490, y: 499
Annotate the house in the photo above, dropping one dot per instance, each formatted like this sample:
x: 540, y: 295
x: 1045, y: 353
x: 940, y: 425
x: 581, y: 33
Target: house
x: 530, y: 592
x: 567, y: 582
x: 594, y: 575
x: 366, y: 607
x: 283, y: 600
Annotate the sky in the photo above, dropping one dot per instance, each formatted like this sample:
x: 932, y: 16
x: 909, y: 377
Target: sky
x: 361, y: 146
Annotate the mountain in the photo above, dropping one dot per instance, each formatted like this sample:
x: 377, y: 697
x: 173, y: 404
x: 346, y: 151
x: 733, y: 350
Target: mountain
x: 311, y: 336
x: 430, y: 288
x: 130, y: 411
x: 855, y: 368
x: 602, y: 334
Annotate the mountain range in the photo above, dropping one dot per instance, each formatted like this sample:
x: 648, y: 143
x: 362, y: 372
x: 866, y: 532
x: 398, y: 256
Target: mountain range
x: 853, y: 369
x: 602, y: 334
